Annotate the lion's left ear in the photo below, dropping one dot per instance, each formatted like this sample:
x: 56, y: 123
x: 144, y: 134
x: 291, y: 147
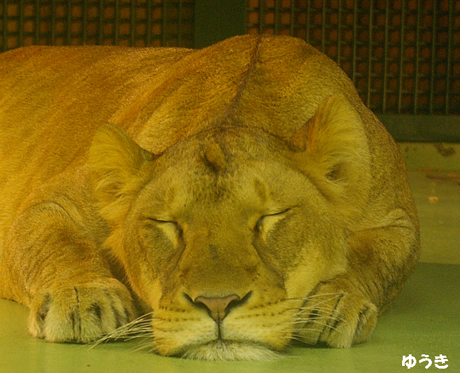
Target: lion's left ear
x: 118, y: 169
x: 333, y: 148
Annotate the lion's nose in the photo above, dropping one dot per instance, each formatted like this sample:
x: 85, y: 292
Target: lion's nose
x: 218, y: 308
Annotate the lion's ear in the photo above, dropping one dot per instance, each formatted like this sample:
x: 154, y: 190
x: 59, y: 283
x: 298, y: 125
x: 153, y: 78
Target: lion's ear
x: 118, y: 169
x: 332, y: 146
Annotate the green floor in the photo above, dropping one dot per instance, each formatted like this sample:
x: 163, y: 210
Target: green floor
x: 425, y: 319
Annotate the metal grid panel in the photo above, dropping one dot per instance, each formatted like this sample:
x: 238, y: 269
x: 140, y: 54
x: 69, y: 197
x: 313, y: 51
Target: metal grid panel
x: 104, y: 22
x: 403, y: 55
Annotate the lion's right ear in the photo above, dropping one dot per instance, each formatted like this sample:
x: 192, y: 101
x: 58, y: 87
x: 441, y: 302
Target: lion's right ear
x: 118, y: 170
x: 332, y: 148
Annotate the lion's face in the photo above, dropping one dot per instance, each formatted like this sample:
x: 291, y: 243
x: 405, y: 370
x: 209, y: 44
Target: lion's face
x: 223, y: 236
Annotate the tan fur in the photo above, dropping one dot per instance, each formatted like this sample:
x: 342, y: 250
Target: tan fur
x: 257, y: 183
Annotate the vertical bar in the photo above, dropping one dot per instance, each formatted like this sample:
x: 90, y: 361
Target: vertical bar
x: 179, y: 25
x: 100, y: 37
x: 276, y: 21
x: 291, y: 20
x: 85, y: 21
x: 21, y: 24
x: 369, y: 65
x: 148, y: 34
x: 164, y: 18
x: 354, y: 47
x: 116, y: 26
x: 450, y: 46
x: 323, y: 29
x: 401, y: 54
x: 132, y: 23
x: 53, y: 22
x: 433, y: 57
x: 69, y: 22
x: 5, y: 28
x: 307, y: 38
x: 385, y: 58
x: 261, y: 16
x: 37, y: 22
x: 216, y: 20
x: 339, y: 33
x: 417, y: 57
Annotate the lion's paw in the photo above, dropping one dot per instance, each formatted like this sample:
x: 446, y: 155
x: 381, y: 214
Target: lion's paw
x: 336, y: 318
x: 82, y: 313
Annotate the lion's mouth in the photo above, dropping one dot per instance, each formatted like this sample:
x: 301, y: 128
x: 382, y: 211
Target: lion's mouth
x: 227, y: 350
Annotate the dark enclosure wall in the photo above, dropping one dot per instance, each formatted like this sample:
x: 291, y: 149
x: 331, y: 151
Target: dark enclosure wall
x: 106, y: 22
x: 402, y: 55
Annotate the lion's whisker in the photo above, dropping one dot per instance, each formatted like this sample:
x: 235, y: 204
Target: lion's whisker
x: 138, y: 328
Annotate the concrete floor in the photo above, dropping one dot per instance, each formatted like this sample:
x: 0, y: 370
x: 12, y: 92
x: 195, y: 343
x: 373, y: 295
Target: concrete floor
x: 438, y: 202
x: 434, y: 176
x: 425, y: 319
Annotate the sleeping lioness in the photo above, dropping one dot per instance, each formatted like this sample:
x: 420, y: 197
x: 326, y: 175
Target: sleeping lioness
x: 241, y: 193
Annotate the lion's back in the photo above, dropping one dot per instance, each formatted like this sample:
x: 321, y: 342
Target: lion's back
x: 52, y: 99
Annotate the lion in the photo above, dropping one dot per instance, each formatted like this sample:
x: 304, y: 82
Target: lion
x: 241, y: 194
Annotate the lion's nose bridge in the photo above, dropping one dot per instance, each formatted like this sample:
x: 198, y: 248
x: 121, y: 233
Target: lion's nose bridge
x: 218, y: 267
x: 218, y: 270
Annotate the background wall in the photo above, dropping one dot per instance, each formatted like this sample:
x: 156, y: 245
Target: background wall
x: 402, y: 55
x: 106, y: 22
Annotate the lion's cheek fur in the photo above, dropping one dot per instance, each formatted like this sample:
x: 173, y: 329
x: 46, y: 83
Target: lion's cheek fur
x: 310, y: 271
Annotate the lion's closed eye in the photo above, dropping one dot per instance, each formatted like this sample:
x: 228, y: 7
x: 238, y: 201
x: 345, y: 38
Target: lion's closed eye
x: 267, y: 222
x: 170, y: 228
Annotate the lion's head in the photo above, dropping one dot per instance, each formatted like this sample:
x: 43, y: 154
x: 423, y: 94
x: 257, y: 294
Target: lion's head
x: 226, y: 233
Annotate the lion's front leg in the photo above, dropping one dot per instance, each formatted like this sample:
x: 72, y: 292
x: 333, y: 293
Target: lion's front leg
x: 54, y: 266
x: 343, y: 311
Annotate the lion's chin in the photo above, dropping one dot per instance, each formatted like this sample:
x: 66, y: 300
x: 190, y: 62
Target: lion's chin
x: 228, y: 350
